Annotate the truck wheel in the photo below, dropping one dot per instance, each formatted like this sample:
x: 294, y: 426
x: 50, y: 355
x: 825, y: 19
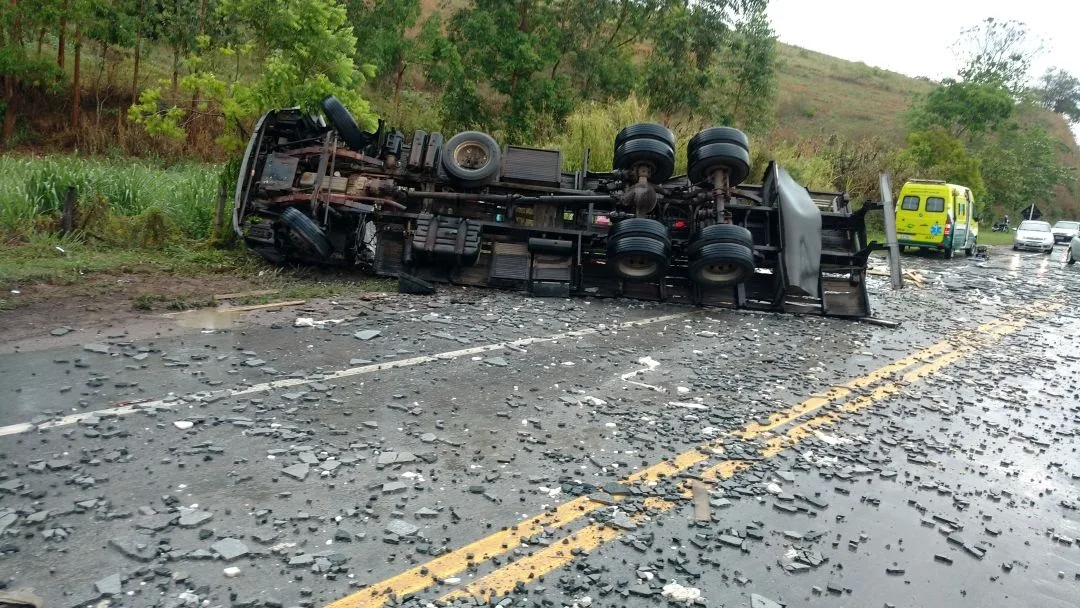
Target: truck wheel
x: 703, y: 160
x: 718, y: 264
x: 645, y: 130
x: 305, y: 233
x: 345, y: 124
x: 970, y: 251
x: 640, y: 226
x: 657, y: 155
x: 471, y: 158
x: 720, y: 233
x: 638, y: 258
x: 718, y: 135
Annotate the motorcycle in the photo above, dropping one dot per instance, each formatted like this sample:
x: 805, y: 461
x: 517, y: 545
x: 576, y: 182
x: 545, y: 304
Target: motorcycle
x: 1002, y: 226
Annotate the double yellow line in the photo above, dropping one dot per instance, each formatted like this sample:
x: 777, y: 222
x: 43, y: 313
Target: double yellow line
x: 852, y: 396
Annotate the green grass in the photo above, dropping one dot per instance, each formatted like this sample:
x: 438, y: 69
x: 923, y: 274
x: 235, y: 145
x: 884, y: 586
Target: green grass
x: 32, y: 191
x: 986, y: 237
x: 64, y: 261
x: 93, y: 272
x: 997, y: 239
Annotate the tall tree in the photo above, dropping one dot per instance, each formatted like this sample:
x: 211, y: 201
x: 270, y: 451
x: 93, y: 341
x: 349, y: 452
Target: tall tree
x: 509, y: 46
x: 391, y: 37
x: 20, y: 72
x: 750, y: 63
x: 940, y: 155
x: 304, y: 51
x: 996, y: 51
x: 176, y: 26
x: 1023, y: 167
x: 1060, y: 91
x: 965, y: 108
x: 687, y: 38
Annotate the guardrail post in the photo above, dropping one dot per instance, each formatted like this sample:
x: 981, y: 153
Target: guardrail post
x: 890, y: 231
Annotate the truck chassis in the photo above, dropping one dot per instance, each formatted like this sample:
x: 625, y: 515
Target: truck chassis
x: 467, y: 211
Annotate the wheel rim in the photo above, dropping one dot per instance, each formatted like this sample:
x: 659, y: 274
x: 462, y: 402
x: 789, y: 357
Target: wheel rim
x: 637, y: 266
x: 471, y: 155
x: 721, y: 272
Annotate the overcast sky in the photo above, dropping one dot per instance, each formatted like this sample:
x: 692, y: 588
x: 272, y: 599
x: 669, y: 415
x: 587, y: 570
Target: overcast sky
x: 913, y: 37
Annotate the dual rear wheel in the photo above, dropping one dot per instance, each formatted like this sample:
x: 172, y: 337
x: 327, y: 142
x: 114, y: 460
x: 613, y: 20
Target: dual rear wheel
x: 720, y: 255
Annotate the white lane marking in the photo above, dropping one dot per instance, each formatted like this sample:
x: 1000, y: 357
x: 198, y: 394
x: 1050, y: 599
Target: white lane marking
x: 650, y: 364
x: 123, y: 410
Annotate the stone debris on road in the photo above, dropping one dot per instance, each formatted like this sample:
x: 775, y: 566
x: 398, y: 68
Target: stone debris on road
x: 662, y: 466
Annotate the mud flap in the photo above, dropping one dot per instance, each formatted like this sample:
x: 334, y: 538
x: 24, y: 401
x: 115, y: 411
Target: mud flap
x: 800, y: 232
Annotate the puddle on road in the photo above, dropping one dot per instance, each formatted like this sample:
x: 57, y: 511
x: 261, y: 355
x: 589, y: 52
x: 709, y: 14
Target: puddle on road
x: 209, y: 318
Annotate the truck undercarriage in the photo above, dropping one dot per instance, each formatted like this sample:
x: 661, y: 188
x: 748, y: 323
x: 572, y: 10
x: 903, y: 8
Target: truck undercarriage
x: 466, y: 211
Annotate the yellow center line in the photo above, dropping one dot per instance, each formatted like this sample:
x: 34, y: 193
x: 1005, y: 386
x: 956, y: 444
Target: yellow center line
x: 543, y: 561
x: 454, y: 562
x: 507, y: 578
x: 817, y: 402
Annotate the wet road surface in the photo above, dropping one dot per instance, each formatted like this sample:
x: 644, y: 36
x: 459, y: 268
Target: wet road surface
x: 484, y: 448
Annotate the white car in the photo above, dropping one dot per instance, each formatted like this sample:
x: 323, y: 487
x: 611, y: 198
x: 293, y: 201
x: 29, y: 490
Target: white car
x: 1065, y: 231
x: 1033, y: 235
x: 1073, y: 252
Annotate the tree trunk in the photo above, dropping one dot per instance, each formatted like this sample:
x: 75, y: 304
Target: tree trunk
x: 76, y: 85
x: 138, y: 55
x: 175, y: 68
x: 397, y: 88
x: 40, y: 41
x: 9, y: 110
x: 62, y: 41
x: 16, y: 25
x: 106, y: 66
x: 10, y: 81
x: 192, y: 121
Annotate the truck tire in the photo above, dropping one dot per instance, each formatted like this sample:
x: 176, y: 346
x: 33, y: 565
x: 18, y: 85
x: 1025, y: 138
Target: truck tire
x: 705, y: 159
x: 471, y: 158
x: 638, y: 258
x: 720, y: 233
x: 345, y: 124
x: 305, y: 233
x: 640, y: 226
x: 645, y: 130
x: 718, y: 135
x: 722, y: 264
x: 658, y: 155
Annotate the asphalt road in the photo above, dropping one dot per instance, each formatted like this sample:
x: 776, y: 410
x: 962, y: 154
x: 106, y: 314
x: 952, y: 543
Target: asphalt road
x: 480, y: 447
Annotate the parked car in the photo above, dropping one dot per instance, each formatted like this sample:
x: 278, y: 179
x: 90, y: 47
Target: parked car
x: 1034, y: 235
x: 933, y: 215
x: 1073, y: 252
x: 1065, y: 231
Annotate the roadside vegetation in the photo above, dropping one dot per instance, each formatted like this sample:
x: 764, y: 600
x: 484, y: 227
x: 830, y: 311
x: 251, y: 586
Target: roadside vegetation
x: 142, y: 107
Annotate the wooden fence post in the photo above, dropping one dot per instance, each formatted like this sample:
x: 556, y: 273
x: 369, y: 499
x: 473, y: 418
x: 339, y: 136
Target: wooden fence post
x: 219, y: 214
x: 67, y: 220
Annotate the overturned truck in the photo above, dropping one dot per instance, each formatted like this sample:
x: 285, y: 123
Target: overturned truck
x: 465, y: 210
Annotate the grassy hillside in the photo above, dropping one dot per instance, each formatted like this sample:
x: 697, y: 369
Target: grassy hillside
x: 820, y: 95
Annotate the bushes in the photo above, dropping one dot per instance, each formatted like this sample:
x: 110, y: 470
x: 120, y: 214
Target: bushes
x: 129, y: 202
